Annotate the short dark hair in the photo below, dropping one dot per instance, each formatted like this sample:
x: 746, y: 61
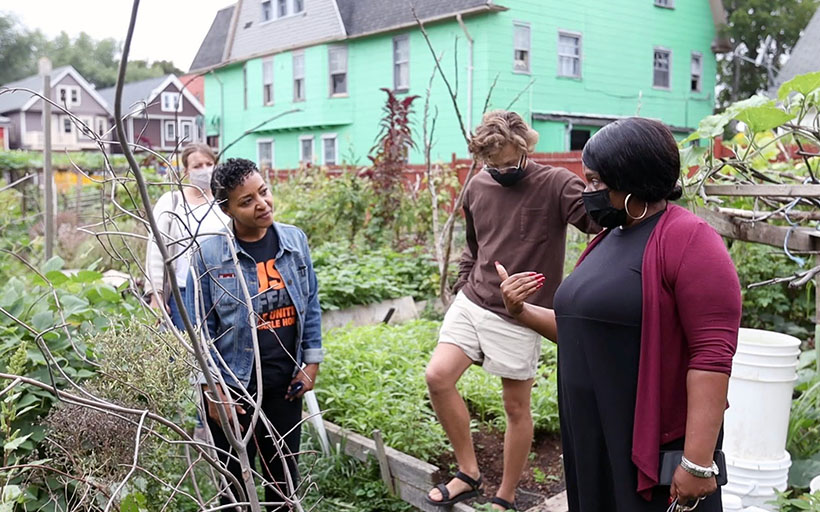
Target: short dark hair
x: 638, y: 156
x: 229, y: 175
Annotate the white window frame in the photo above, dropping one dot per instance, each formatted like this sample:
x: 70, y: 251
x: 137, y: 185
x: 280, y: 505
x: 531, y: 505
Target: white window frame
x: 666, y: 4
x: 166, y: 141
x: 397, y: 63
x: 297, y: 3
x: 81, y: 132
x: 290, y: 9
x: 192, y: 129
x: 331, y: 74
x: 169, y: 99
x: 301, y: 76
x: 668, y: 51
x: 302, y: 140
x: 66, y: 123
x: 265, y: 84
x: 259, y: 143
x: 270, y: 11
x: 692, y: 73
x: 100, y: 126
x: 528, y: 69
x: 327, y: 137
x: 69, y: 91
x: 579, y: 57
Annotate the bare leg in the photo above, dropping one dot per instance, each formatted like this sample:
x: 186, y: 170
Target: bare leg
x: 518, y: 438
x: 443, y: 371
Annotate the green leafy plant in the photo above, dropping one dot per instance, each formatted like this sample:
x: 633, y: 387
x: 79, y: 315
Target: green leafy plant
x: 787, y: 502
x: 375, y: 379
x: 347, y: 277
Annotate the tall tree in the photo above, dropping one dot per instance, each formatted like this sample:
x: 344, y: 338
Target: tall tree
x: 763, y: 32
x: 18, y: 49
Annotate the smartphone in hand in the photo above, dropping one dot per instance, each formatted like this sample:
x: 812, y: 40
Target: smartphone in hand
x: 294, y: 390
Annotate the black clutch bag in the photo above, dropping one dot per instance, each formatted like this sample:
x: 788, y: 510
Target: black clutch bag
x: 670, y: 460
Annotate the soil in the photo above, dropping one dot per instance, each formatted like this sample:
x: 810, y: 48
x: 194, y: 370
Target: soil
x: 542, y: 478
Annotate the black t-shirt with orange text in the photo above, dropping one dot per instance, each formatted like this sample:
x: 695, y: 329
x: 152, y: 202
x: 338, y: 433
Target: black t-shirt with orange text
x: 276, y: 316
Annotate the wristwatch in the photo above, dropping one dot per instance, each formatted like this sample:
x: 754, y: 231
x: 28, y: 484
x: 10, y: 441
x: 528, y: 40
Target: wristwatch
x: 699, y: 471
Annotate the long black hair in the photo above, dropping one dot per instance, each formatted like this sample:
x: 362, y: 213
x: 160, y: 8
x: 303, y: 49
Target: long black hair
x: 637, y: 156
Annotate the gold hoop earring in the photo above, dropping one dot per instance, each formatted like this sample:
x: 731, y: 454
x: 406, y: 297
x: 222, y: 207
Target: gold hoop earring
x: 626, y: 207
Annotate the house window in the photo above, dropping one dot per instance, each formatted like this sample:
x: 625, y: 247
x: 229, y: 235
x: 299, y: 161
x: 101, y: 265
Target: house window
x: 329, y: 150
x: 337, y: 56
x: 86, y: 128
x: 299, y: 76
x: 569, y: 55
x: 245, y: 86
x: 298, y: 6
x: 697, y: 72
x: 669, y: 4
x: 401, y: 63
x: 171, y: 101
x: 281, y: 8
x: 68, y: 95
x: 267, y: 82
x: 68, y: 126
x: 170, y: 132
x: 264, y: 154
x: 306, y: 149
x: 521, y: 53
x: 102, y: 126
x: 186, y: 130
x: 578, y: 138
x: 267, y: 11
x: 661, y: 66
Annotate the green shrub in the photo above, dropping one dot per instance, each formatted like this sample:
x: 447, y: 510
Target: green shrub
x: 373, y: 378
x: 773, y: 307
x: 347, y: 278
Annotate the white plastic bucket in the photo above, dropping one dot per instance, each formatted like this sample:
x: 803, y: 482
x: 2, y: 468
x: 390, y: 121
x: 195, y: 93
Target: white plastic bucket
x: 731, y: 503
x: 814, y: 485
x: 764, y: 371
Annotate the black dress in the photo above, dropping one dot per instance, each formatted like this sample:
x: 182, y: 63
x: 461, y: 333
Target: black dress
x: 598, y: 311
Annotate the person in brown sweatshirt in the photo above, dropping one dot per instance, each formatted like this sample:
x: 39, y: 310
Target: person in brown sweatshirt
x: 516, y: 213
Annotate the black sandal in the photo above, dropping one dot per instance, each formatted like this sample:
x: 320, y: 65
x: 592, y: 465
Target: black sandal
x: 504, y: 503
x: 446, y: 500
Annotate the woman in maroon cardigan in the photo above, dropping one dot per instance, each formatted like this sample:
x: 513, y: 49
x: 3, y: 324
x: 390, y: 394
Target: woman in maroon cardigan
x: 646, y: 327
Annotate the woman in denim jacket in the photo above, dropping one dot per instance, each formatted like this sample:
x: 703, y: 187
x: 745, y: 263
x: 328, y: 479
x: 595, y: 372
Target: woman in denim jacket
x: 270, y: 262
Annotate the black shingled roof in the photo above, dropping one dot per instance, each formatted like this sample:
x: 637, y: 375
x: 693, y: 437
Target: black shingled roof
x: 213, y: 46
x: 366, y: 16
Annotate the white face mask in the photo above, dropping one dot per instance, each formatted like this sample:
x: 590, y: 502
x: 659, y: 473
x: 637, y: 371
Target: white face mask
x: 202, y: 178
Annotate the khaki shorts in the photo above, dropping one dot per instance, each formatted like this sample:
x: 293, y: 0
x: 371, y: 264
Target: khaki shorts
x: 503, y: 348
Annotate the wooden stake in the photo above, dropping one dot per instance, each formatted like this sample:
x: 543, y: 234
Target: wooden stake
x: 384, y: 465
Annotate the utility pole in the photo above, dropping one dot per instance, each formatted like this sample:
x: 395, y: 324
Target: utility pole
x: 48, y: 176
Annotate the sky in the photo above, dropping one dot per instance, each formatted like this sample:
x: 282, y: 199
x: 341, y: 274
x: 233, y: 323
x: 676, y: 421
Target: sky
x: 166, y: 29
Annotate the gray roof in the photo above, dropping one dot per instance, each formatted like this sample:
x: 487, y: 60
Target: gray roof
x: 213, y: 46
x: 133, y: 93
x: 358, y: 16
x: 804, y: 55
x: 12, y: 102
x: 367, y: 16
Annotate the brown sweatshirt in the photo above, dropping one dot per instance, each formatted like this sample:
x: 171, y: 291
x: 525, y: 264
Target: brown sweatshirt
x: 523, y: 227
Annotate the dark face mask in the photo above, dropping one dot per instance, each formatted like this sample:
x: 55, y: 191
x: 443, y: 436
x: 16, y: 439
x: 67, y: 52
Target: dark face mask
x: 600, y: 208
x: 510, y: 176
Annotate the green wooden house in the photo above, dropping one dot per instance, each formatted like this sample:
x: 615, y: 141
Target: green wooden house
x: 569, y: 67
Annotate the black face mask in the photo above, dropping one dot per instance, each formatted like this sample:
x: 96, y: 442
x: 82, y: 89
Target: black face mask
x: 510, y: 176
x: 600, y: 208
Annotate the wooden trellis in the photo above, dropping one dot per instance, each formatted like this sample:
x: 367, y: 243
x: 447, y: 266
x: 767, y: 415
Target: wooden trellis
x: 744, y: 225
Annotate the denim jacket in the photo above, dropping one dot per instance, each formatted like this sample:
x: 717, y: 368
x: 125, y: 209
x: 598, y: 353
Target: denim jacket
x: 221, y: 302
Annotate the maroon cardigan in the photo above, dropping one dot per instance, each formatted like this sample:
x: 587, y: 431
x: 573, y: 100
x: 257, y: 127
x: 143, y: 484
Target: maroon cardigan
x: 691, y: 317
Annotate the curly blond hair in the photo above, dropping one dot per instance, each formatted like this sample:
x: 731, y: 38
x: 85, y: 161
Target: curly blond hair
x: 497, y: 129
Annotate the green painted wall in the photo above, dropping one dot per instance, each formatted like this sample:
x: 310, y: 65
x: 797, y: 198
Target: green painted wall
x: 618, y: 41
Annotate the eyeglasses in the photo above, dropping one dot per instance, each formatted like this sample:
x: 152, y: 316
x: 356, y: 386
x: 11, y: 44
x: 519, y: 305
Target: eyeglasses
x: 504, y: 170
